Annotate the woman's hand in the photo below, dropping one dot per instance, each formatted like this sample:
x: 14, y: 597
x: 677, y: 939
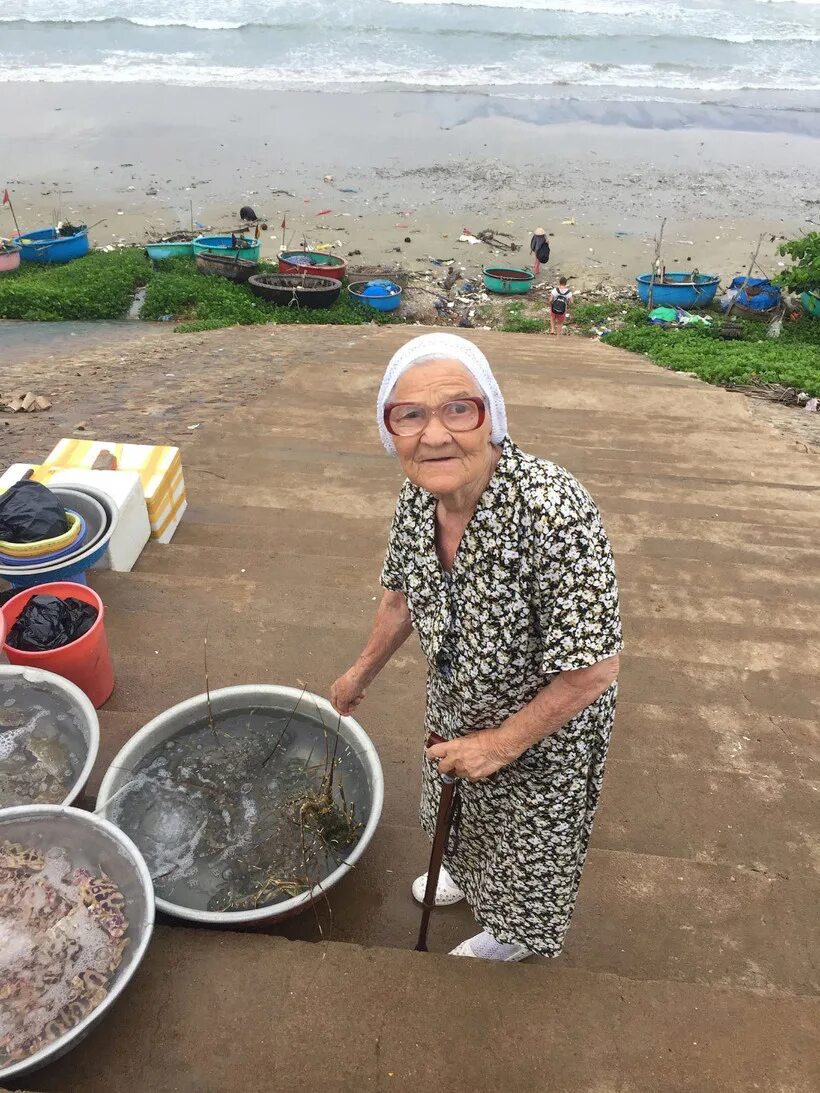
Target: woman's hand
x: 348, y: 691
x: 473, y: 757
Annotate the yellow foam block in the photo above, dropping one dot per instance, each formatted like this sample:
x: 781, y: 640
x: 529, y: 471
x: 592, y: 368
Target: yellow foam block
x: 159, y: 467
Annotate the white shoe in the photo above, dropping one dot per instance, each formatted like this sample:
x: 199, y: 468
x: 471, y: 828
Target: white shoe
x: 484, y: 947
x: 447, y: 891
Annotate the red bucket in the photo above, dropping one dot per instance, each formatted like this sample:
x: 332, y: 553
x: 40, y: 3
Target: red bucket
x: 85, y: 661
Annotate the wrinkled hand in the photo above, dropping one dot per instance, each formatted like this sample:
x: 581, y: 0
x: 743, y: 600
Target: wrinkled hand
x: 347, y: 692
x: 477, y: 756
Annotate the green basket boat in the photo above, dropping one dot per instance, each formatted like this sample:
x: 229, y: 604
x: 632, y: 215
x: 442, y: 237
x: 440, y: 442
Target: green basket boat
x: 811, y: 302
x: 508, y: 280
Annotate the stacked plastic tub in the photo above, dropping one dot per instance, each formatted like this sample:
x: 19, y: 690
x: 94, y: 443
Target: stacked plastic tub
x: 59, y: 561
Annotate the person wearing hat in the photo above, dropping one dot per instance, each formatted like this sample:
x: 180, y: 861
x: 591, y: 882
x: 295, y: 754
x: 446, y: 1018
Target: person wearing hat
x: 540, y: 248
x: 500, y: 562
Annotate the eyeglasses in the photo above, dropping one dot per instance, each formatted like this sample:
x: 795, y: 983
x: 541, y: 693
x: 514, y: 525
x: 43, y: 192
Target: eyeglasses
x: 461, y: 415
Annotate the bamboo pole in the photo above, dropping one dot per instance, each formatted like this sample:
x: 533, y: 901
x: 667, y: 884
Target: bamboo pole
x: 13, y: 216
x: 656, y: 264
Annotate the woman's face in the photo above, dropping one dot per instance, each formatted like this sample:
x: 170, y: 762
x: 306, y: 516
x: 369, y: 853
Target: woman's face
x: 437, y: 460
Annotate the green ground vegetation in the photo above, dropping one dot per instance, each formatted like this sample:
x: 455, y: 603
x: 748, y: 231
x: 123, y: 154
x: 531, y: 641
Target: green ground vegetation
x: 102, y: 286
x: 793, y: 359
x: 99, y: 286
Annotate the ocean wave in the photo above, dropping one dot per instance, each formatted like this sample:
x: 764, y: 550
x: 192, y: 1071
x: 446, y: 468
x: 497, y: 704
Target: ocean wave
x: 124, y: 67
x: 791, y: 34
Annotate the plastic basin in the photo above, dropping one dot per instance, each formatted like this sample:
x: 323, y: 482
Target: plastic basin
x: 86, y: 662
x: 87, y: 720
x: 104, y: 845
x: 381, y: 294
x: 101, y: 516
x: 43, y: 546
x: 260, y: 697
x: 42, y: 549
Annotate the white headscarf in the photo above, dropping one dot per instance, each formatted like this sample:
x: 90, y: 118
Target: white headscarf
x: 444, y: 347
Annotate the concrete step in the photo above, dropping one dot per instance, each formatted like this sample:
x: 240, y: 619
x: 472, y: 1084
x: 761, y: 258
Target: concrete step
x: 335, y: 1016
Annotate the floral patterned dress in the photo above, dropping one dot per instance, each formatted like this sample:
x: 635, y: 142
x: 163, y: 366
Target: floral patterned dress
x: 532, y: 593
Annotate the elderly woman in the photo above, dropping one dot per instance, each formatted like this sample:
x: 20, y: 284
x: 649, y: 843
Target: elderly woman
x: 500, y: 562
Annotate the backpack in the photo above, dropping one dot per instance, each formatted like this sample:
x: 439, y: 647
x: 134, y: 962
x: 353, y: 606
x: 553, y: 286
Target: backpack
x: 541, y: 248
x: 559, y: 304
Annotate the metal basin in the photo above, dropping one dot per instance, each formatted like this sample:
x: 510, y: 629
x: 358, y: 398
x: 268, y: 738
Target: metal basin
x: 85, y: 716
x: 262, y: 698
x: 97, y: 843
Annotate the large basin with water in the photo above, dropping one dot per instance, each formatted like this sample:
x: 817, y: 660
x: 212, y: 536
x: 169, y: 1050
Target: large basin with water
x: 49, y: 737
x: 210, y: 790
x: 84, y: 963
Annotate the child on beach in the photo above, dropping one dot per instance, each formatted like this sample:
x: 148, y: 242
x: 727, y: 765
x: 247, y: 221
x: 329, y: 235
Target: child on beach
x: 560, y: 299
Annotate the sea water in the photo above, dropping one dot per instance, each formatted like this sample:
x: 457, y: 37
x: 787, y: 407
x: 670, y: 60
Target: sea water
x: 636, y: 50
x: 215, y: 808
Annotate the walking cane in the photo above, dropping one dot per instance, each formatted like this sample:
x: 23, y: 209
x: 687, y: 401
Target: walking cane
x: 444, y: 821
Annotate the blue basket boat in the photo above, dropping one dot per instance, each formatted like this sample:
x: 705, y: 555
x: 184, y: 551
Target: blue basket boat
x: 678, y: 289
x: 229, y: 246
x: 381, y: 294
x: 47, y: 247
x: 158, y: 252
x: 752, y: 297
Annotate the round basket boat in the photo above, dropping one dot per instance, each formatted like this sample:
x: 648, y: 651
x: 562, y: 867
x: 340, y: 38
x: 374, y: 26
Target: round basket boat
x: 315, y: 729
x: 234, y: 246
x: 47, y: 246
x: 219, y: 265
x: 811, y: 303
x: 93, y: 843
x: 685, y: 290
x: 313, y: 262
x: 176, y: 248
x: 9, y: 256
x: 296, y: 291
x: 508, y: 280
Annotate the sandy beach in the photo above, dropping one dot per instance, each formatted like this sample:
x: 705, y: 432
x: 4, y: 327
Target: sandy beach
x: 368, y: 171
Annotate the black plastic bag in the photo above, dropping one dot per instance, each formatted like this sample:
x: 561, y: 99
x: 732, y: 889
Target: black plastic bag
x: 47, y: 622
x: 30, y: 512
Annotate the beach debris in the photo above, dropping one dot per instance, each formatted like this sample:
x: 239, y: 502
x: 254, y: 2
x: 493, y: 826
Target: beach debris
x: 570, y: 223
x: 453, y: 275
x: 25, y: 402
x: 466, y: 237
x: 324, y: 212
x: 812, y: 406
x: 347, y: 190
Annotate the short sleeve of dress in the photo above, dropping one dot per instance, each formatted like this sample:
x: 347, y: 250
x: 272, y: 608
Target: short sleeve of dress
x: 394, y: 571
x: 577, y: 590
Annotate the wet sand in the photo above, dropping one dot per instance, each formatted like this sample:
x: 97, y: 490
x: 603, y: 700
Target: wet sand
x: 421, y: 167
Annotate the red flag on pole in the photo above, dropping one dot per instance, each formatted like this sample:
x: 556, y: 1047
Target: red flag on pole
x: 6, y: 198
x: 282, y: 225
